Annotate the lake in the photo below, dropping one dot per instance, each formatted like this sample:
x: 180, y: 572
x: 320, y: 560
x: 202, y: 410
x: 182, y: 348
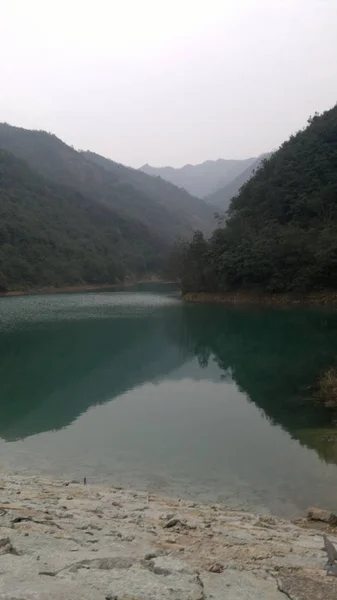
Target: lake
x: 137, y: 388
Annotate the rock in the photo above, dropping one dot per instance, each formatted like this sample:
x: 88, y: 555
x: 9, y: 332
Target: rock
x: 114, y: 562
x: 170, y: 540
x: 330, y: 550
x: 94, y: 526
x: 166, y: 565
x: 240, y: 557
x: 6, y: 546
x: 170, y: 516
x: 332, y: 570
x: 216, y: 568
x: 299, y: 587
x: 319, y: 514
x: 234, y: 585
x: 155, y: 554
x: 142, y: 584
x: 172, y: 523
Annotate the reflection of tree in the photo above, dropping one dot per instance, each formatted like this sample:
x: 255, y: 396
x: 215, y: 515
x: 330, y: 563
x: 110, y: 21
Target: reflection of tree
x: 323, y: 440
x: 53, y: 372
x: 273, y: 355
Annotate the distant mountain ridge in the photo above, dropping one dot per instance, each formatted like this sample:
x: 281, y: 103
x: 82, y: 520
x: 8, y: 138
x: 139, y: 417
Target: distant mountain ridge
x: 222, y: 197
x: 202, y: 179
x: 177, y: 201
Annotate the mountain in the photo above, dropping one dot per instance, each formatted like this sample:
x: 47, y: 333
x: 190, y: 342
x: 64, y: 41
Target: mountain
x: 190, y: 212
x: 166, y: 211
x: 204, y: 179
x: 222, y: 197
x: 53, y: 235
x: 281, y: 230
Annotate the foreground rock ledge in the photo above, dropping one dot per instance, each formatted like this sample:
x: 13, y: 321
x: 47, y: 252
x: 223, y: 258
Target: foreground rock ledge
x: 61, y: 540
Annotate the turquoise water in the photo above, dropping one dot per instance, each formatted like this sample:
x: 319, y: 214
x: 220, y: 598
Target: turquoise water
x: 140, y: 389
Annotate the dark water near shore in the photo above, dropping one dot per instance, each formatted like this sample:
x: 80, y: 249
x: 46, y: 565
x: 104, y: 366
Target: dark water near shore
x: 138, y: 388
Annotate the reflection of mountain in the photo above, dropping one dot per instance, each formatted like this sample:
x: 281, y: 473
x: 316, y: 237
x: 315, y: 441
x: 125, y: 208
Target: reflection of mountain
x: 273, y: 355
x: 53, y: 372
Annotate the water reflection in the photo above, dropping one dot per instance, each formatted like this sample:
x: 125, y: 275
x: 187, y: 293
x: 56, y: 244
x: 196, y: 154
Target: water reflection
x: 67, y: 355
x: 61, y: 355
x: 275, y: 356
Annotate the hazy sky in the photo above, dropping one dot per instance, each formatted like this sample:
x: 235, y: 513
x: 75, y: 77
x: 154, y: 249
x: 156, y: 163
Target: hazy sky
x: 167, y: 81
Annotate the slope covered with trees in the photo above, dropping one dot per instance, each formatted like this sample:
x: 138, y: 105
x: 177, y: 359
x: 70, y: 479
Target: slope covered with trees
x: 185, y: 210
x: 165, y: 210
x: 281, y: 231
x: 53, y: 235
x: 222, y: 197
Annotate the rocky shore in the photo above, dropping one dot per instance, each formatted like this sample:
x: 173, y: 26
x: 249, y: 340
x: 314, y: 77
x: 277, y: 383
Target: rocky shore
x: 67, y: 540
x: 246, y: 298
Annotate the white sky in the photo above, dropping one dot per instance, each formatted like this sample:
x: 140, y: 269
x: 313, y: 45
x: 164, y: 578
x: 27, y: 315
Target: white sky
x: 167, y: 82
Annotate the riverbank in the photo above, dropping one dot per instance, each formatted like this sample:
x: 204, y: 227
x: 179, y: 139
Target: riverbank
x: 327, y: 298
x: 62, y: 289
x: 79, y: 288
x: 69, y: 540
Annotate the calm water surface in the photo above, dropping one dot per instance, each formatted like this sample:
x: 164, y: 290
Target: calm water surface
x: 139, y: 389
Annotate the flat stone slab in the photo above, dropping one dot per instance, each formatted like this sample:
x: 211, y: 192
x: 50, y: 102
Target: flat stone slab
x: 140, y: 584
x: 236, y: 585
x: 96, y: 542
x: 299, y: 587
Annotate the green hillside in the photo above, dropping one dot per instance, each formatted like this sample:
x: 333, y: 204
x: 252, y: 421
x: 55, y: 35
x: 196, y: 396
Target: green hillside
x: 53, y: 235
x: 221, y: 198
x: 167, y: 211
x: 281, y: 233
x: 186, y: 211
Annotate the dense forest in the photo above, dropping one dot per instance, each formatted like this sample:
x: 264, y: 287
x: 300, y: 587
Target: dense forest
x: 70, y: 217
x: 221, y: 198
x: 53, y: 235
x: 162, y: 207
x: 280, y: 232
x: 185, y: 212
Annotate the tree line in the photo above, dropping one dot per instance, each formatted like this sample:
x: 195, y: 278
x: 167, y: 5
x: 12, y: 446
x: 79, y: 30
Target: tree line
x: 280, y: 232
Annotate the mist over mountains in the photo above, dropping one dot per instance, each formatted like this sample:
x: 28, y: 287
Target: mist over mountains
x: 71, y: 217
x: 203, y: 179
x: 223, y: 195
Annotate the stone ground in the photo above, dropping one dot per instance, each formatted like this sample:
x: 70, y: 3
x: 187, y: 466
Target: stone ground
x: 66, y: 540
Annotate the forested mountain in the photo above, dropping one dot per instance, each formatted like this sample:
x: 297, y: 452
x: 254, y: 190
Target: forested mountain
x: 222, y: 197
x: 189, y: 210
x: 204, y: 179
x: 281, y: 232
x: 53, y: 235
x: 168, y: 212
